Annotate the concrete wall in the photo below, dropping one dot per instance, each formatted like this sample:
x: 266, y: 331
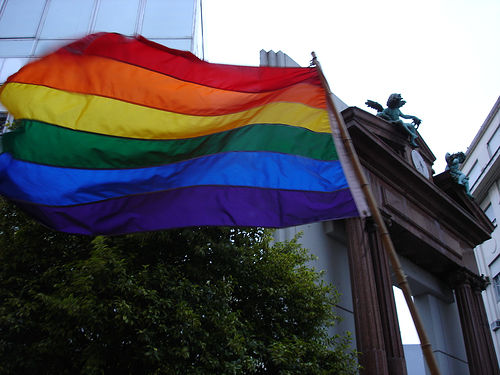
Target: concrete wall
x: 439, y: 313
x: 414, y: 359
x: 327, y: 241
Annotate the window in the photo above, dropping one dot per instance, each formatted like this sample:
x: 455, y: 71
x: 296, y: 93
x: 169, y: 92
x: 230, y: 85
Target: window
x: 20, y: 18
x: 67, y: 19
x: 494, y: 142
x: 474, y: 173
x: 44, y: 47
x: 17, y: 48
x: 496, y: 285
x: 10, y: 66
x: 490, y: 214
x: 122, y: 21
x: 167, y: 19
x: 184, y: 44
x: 3, y: 120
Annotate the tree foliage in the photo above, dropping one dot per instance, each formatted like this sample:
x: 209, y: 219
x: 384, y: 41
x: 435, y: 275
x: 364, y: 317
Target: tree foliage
x: 189, y: 301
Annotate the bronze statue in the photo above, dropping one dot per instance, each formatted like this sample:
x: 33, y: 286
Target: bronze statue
x: 393, y: 114
x: 453, y: 162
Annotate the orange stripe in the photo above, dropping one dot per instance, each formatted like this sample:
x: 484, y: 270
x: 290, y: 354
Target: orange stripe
x: 109, y: 78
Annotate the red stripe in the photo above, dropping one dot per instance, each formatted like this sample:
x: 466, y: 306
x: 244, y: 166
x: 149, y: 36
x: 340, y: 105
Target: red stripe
x: 96, y: 75
x: 186, y: 66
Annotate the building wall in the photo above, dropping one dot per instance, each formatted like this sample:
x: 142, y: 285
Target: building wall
x: 435, y: 301
x: 31, y: 28
x: 327, y: 242
x: 438, y: 309
x: 414, y: 356
x: 482, y: 166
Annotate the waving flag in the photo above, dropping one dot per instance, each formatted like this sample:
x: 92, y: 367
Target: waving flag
x: 118, y: 135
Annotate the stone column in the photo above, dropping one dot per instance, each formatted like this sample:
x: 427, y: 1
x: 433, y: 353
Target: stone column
x: 388, y: 314
x: 367, y: 317
x: 477, y: 339
x: 478, y: 284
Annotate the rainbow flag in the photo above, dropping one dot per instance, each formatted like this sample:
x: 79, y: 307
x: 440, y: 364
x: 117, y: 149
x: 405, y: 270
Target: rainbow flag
x: 118, y: 135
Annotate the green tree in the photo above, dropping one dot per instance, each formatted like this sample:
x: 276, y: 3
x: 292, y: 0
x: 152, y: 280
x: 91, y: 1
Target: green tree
x: 189, y: 301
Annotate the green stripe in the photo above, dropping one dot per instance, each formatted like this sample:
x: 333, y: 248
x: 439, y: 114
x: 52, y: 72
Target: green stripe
x: 53, y: 145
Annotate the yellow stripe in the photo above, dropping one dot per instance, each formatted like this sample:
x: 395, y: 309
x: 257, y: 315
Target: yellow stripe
x: 113, y: 117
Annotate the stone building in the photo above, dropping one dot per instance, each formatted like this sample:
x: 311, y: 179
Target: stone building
x: 434, y: 226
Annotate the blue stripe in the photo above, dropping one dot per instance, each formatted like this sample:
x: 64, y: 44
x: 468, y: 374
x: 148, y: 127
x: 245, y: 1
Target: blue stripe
x: 65, y: 186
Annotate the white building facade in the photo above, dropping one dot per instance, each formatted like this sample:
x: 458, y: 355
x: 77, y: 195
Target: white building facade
x: 31, y: 28
x: 482, y: 166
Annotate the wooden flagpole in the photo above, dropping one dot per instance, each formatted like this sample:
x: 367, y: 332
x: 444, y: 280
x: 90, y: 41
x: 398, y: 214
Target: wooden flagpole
x: 379, y: 221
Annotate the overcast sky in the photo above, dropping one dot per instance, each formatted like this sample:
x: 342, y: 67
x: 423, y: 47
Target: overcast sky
x: 443, y: 56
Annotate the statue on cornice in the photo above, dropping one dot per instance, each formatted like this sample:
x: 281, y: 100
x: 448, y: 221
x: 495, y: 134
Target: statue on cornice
x: 393, y: 114
x: 453, y: 162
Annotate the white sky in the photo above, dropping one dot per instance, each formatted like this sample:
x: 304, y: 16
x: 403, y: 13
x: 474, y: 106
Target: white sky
x: 408, y: 331
x: 443, y: 56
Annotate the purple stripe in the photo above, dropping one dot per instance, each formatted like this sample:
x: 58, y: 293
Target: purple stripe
x: 197, y: 206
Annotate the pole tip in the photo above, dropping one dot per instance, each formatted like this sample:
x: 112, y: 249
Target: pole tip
x: 314, y: 60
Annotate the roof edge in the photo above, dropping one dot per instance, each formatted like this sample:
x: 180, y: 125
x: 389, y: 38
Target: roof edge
x: 482, y: 129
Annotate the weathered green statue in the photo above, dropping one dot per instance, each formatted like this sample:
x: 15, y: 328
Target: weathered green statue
x: 453, y: 162
x: 393, y: 114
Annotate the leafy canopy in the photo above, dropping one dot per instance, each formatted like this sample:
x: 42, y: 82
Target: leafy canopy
x: 188, y: 301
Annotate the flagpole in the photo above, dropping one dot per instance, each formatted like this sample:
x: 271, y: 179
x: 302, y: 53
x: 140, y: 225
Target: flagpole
x: 384, y: 233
